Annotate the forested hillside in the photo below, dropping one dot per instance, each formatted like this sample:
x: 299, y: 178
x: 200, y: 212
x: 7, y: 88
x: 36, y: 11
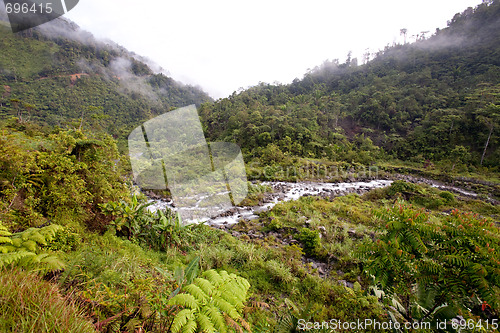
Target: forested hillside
x: 57, y: 74
x: 435, y: 99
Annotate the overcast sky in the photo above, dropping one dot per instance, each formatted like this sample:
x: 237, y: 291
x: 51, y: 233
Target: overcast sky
x: 224, y: 45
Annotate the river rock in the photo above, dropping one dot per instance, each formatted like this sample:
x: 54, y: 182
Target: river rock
x: 346, y: 283
x: 260, y: 209
x: 274, y: 234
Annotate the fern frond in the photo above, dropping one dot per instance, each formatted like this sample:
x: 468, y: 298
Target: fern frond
x: 5, y: 240
x: 245, y: 324
x: 226, y: 307
x: 205, y: 323
x: 197, y: 292
x: 204, y: 285
x: 38, y: 258
x: 5, y: 249
x: 49, y: 232
x: 224, y: 275
x: 190, y: 326
x: 53, y: 263
x: 3, y: 230
x: 25, y: 235
x: 17, y: 242
x: 38, y: 238
x: 212, y: 276
x: 456, y: 260
x: 217, y: 318
x: 181, y: 319
x: 30, y: 245
x: 14, y: 257
x: 185, y: 300
x: 214, y: 300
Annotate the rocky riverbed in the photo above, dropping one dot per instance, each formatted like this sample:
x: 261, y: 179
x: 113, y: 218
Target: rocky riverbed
x: 285, y: 191
x: 251, y: 228
x: 282, y: 191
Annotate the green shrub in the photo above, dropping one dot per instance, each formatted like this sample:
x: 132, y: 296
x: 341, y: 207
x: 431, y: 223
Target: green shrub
x: 274, y: 224
x: 401, y: 186
x: 62, y: 177
x: 447, y: 196
x: 279, y: 272
x: 129, y: 217
x: 64, y: 240
x: 310, y: 240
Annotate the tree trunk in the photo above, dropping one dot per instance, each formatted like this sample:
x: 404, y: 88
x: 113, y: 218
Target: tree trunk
x: 486, y: 145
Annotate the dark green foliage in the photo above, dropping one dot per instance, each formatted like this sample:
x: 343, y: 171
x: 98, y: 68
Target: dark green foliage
x: 129, y: 218
x: 62, y: 177
x: 452, y: 260
x: 158, y: 230
x: 433, y: 100
x: 402, y: 187
x: 447, y: 196
x: 168, y: 230
x: 310, y: 240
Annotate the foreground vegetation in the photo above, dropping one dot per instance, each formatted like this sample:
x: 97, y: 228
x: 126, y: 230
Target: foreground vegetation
x: 407, y: 253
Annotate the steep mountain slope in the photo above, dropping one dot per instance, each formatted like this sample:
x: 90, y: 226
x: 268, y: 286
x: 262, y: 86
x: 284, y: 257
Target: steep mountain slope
x: 437, y: 99
x: 57, y: 74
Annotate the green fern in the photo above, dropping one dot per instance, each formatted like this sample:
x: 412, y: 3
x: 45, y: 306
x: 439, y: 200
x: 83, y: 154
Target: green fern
x: 451, y: 257
x: 211, y: 303
x: 14, y: 257
x: 23, y: 248
x: 4, y: 239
